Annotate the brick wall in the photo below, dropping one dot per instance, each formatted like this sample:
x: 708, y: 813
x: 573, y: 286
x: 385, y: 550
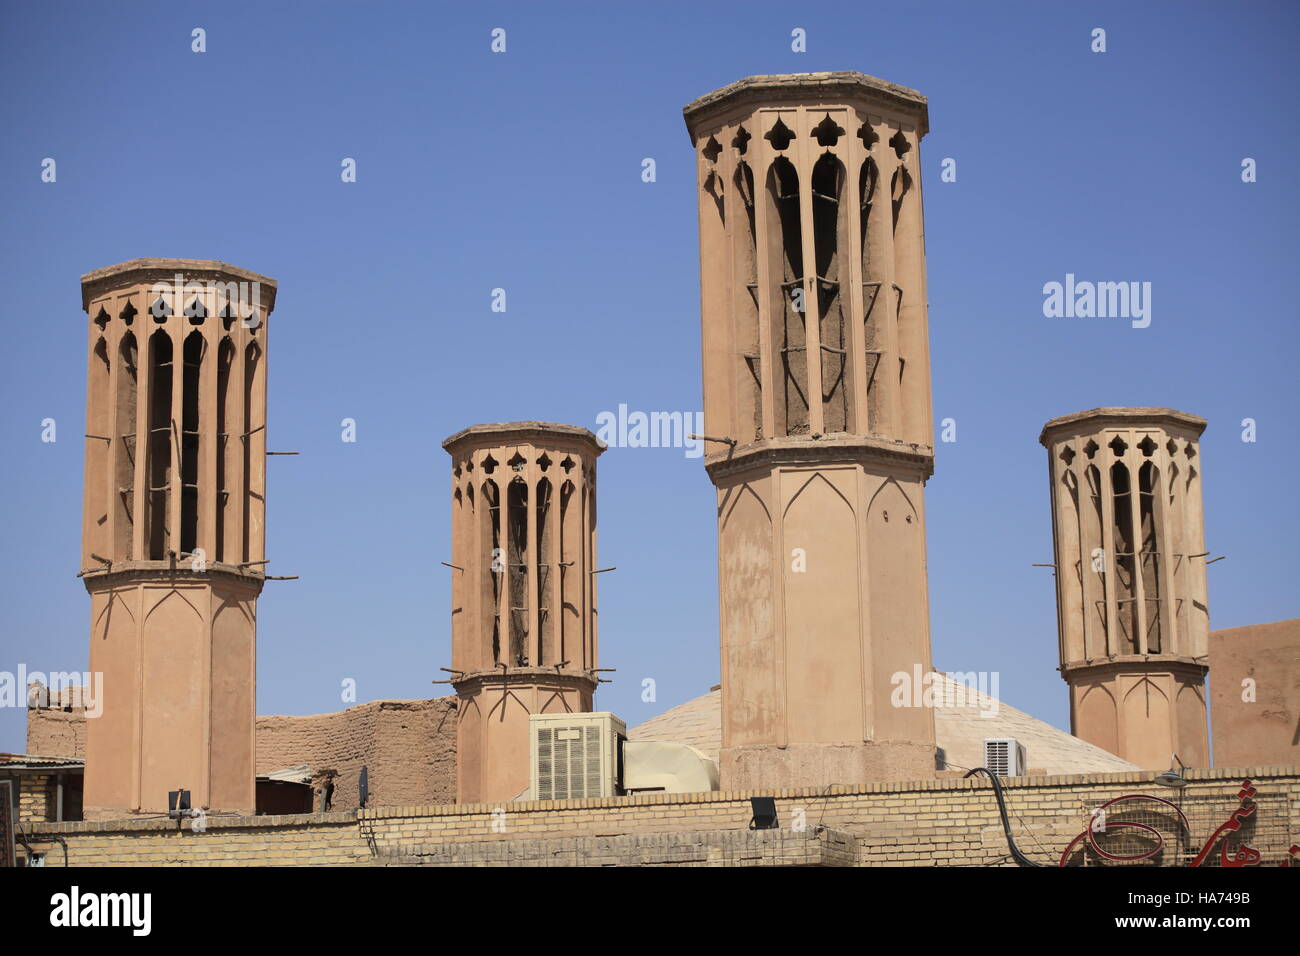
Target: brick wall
x: 329, y: 839
x: 935, y: 822
x: 820, y: 846
x: 35, y: 797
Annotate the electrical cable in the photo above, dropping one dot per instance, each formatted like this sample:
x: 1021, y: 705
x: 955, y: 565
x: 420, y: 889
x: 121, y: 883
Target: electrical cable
x: 1019, y: 857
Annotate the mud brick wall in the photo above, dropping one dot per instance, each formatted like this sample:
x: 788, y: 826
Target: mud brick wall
x: 407, y: 746
x: 56, y: 731
x: 1255, y: 722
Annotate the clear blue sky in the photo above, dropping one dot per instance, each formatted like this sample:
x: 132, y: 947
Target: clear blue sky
x: 522, y: 171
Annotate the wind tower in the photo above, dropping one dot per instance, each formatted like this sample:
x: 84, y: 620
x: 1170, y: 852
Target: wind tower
x: 523, y: 592
x: 173, y: 534
x: 817, y: 395
x: 1132, y: 606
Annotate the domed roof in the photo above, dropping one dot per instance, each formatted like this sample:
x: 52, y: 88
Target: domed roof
x: 960, y: 729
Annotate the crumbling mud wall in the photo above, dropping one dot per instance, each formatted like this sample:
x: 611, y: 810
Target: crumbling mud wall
x: 408, y: 748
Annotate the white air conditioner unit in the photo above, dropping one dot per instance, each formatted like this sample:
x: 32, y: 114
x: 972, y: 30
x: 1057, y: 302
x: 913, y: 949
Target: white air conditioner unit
x: 1005, y: 756
x: 575, y: 755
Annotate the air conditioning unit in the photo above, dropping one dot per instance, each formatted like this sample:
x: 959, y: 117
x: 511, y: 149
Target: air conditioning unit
x: 666, y: 767
x: 575, y: 755
x: 1005, y: 756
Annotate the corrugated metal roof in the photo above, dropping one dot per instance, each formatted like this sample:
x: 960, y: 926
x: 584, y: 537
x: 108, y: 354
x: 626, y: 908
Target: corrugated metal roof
x: 298, y: 774
x: 39, y: 762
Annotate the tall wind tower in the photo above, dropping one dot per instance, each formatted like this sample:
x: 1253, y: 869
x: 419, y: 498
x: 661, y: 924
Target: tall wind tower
x: 173, y: 535
x: 1132, y: 605
x: 523, y: 592
x: 817, y: 380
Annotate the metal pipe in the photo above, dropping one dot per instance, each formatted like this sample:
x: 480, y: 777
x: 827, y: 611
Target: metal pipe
x: 731, y: 442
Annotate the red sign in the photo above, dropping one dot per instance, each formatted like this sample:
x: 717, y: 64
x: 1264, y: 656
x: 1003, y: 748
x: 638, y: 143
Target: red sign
x: 1240, y: 855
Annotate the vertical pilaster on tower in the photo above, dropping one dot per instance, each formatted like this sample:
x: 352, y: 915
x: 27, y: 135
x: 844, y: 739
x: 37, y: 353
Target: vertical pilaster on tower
x: 523, y: 592
x: 1132, y: 604
x: 817, y: 369
x: 174, y: 529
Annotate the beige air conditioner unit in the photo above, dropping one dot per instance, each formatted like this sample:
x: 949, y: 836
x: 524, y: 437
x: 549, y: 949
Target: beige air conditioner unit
x: 667, y: 767
x: 575, y: 755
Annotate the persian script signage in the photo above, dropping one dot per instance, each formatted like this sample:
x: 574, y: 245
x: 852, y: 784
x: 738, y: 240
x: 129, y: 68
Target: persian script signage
x: 1225, y: 846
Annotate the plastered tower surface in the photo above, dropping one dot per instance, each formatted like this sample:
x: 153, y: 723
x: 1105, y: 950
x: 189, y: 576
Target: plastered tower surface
x: 1132, y: 608
x: 523, y: 592
x: 173, y: 534
x: 817, y: 374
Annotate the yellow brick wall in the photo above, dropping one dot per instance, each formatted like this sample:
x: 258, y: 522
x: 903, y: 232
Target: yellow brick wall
x: 329, y: 839
x: 35, y: 798
x: 935, y: 822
